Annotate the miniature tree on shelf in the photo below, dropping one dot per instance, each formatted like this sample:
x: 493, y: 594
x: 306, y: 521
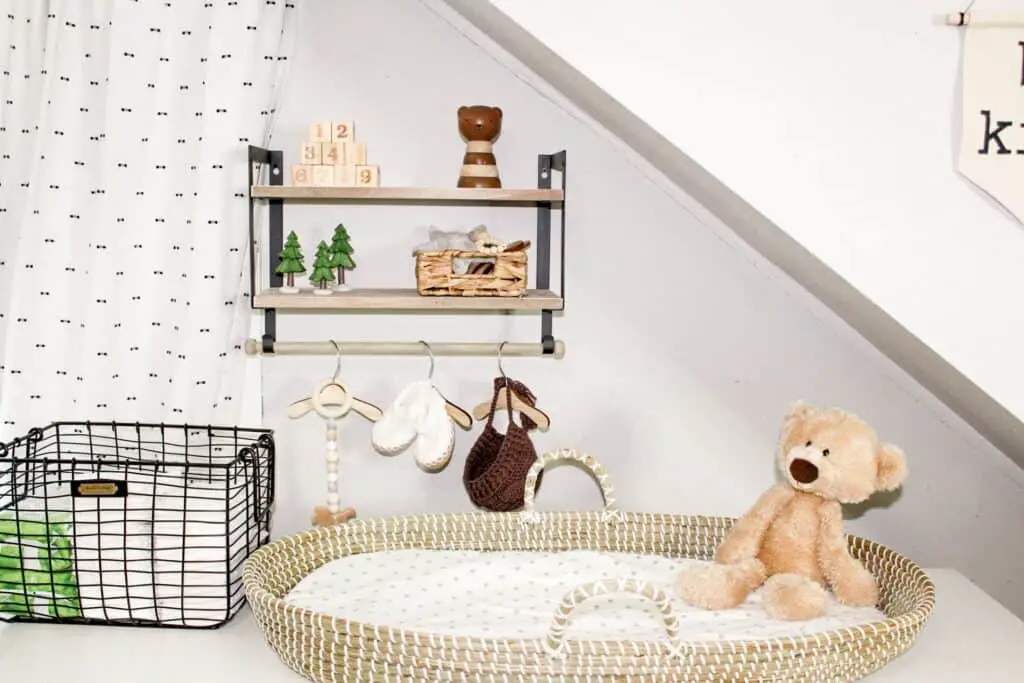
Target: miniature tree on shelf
x: 291, y: 263
x: 322, y: 272
x: 341, y: 255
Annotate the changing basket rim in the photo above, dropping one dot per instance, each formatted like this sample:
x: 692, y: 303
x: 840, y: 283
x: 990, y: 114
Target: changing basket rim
x: 312, y: 541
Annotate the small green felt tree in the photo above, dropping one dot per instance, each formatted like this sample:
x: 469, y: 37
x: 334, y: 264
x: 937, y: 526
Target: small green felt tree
x: 341, y: 252
x: 322, y: 271
x: 291, y: 260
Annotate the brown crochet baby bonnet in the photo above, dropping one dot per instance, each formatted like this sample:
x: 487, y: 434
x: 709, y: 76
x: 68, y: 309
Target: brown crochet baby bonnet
x: 497, y: 464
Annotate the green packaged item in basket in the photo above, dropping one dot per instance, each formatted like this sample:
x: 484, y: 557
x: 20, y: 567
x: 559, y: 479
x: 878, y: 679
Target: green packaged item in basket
x: 36, y: 567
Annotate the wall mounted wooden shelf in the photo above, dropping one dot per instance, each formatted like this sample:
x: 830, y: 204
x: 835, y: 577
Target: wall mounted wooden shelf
x: 544, y: 199
x: 408, y: 194
x: 406, y: 300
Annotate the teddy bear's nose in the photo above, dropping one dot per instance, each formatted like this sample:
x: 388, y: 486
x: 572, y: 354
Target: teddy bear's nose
x: 804, y: 471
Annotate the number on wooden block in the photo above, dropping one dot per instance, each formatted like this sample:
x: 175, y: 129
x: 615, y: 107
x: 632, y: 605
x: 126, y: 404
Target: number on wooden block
x: 302, y: 175
x: 345, y: 176
x: 333, y: 153
x: 342, y: 131
x: 320, y: 131
x: 311, y: 153
x: 356, y: 153
x: 323, y: 176
x: 367, y: 176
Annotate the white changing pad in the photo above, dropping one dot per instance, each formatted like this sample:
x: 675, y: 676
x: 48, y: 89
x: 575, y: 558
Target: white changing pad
x: 515, y: 594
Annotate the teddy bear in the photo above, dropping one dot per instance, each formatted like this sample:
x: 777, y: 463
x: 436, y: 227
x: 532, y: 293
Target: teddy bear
x: 479, y: 126
x: 792, y: 540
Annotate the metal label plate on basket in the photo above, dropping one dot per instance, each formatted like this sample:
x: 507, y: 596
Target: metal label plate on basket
x: 99, y: 488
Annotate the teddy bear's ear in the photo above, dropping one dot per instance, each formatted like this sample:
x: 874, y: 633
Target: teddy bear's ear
x: 498, y: 110
x: 798, y: 411
x: 462, y: 110
x: 892, y: 467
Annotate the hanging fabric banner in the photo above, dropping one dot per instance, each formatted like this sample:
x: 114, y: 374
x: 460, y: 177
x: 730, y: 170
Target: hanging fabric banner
x: 991, y: 151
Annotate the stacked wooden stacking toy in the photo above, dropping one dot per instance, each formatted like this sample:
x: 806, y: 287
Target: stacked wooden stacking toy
x: 331, y: 157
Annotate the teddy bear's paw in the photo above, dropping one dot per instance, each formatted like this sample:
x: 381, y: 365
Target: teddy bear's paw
x: 718, y: 586
x: 792, y: 597
x: 736, y: 550
x: 854, y: 586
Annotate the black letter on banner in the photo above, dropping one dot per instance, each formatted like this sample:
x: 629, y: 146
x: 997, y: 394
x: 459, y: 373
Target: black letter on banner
x: 991, y: 135
x: 1021, y: 43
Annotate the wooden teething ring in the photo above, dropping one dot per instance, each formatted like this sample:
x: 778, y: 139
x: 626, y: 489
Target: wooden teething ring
x: 330, y: 409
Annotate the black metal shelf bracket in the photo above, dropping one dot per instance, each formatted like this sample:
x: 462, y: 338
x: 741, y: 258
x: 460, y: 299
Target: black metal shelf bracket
x: 546, y: 163
x: 274, y: 160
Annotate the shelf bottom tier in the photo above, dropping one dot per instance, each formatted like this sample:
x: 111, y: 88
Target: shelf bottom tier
x: 403, y: 299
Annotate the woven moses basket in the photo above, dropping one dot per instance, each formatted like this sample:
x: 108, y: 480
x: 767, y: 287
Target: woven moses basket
x: 324, y: 648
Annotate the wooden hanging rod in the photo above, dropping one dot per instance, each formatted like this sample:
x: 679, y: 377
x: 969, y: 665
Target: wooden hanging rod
x: 985, y: 19
x: 254, y: 347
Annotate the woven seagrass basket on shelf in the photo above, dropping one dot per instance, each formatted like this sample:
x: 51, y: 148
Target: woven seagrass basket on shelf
x: 325, y: 648
x: 497, y: 274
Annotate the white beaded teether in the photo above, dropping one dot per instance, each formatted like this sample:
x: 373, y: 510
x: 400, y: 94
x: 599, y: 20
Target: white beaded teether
x: 332, y: 400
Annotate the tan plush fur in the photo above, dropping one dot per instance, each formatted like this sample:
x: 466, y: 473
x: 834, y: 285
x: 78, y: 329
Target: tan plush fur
x: 792, y: 540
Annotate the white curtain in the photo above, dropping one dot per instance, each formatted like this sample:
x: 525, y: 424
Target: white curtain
x: 124, y: 127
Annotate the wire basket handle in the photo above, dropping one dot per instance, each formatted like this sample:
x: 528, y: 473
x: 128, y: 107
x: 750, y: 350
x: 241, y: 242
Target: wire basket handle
x: 611, y: 508
x: 554, y: 644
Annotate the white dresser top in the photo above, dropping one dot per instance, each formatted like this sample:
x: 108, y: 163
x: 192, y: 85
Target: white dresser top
x: 970, y: 636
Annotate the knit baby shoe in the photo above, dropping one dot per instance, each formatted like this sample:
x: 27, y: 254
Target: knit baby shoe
x: 397, y: 427
x: 436, y: 439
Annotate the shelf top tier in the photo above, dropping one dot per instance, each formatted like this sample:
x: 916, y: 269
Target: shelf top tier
x: 422, y: 195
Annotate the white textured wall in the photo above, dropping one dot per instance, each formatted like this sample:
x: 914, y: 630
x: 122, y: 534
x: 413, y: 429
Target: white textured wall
x: 838, y: 122
x: 679, y: 397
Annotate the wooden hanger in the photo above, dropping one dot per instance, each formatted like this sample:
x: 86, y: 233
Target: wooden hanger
x: 458, y: 415
x: 333, y: 401
x: 508, y: 398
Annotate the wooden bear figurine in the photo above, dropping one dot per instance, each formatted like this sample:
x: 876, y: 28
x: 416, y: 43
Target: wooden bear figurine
x: 479, y: 126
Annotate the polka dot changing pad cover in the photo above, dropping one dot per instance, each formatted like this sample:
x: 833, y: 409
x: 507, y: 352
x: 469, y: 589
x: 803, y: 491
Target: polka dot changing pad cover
x: 514, y: 595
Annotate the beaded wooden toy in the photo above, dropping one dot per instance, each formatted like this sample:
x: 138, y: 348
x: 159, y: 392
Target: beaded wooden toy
x: 332, y: 400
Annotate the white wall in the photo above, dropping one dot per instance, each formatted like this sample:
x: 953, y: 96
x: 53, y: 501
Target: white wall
x: 679, y: 398
x: 840, y: 124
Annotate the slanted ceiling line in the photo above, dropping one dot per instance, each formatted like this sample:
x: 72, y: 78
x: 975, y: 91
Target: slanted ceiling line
x: 958, y: 392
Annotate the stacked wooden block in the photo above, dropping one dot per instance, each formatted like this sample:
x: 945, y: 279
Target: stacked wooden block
x: 331, y: 157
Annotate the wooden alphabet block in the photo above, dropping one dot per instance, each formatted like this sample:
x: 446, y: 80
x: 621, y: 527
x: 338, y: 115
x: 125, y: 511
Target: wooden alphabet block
x: 323, y: 176
x: 320, y: 131
x: 356, y: 153
x: 312, y: 153
x: 333, y: 154
x: 367, y: 176
x: 302, y: 175
x: 345, y: 176
x: 342, y: 131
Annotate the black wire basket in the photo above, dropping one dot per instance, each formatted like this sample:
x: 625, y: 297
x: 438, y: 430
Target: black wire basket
x: 132, y: 524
